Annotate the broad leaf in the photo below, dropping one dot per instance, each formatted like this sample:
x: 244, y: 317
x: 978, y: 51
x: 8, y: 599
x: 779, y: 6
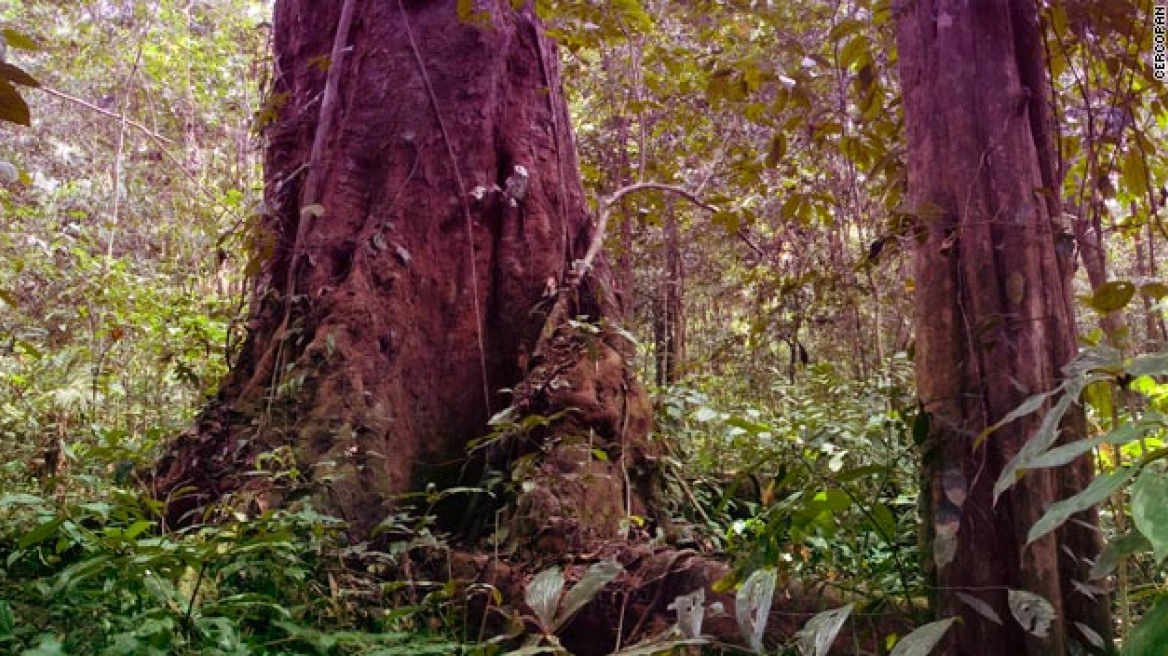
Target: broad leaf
x: 691, y: 611
x: 1033, y: 613
x: 921, y: 641
x: 597, y: 576
x: 40, y: 533
x: 1098, y: 491
x: 1150, y: 510
x: 1155, y: 290
x: 654, y: 647
x: 12, y: 106
x: 1111, y: 296
x: 543, y: 596
x: 1067, y: 453
x: 1043, y: 437
x: 753, y: 605
x: 818, y: 634
x: 1091, y: 635
x: 982, y: 607
x: 1027, y: 407
x: 1152, y: 364
x: 16, y: 75
x: 1151, y: 634
x: 1118, y: 548
x: 18, y: 40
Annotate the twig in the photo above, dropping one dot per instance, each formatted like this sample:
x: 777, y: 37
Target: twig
x: 581, y: 267
x: 119, y: 154
x: 607, y: 203
x: 162, y: 141
x: 105, y: 112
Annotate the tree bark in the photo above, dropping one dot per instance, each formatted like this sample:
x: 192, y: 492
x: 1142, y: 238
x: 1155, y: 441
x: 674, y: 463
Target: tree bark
x: 446, y: 219
x: 669, y: 322
x: 994, y: 314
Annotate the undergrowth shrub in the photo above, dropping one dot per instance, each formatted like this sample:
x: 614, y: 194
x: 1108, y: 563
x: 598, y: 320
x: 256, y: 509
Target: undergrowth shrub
x: 817, y: 477
x: 101, y: 577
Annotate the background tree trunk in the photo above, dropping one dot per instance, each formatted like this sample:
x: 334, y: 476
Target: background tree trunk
x: 669, y: 319
x: 448, y: 212
x: 994, y: 313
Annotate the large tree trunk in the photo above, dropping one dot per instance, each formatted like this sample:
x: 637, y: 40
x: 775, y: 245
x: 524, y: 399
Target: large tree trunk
x: 995, y: 316
x: 426, y: 208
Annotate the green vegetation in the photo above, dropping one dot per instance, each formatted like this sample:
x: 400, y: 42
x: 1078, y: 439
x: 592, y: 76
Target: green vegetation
x: 775, y: 315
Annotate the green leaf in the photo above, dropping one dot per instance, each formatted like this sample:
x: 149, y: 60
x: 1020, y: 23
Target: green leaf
x: 752, y: 605
x: 632, y: 12
x: 136, y: 529
x: 1044, y: 436
x: 20, y: 500
x: 594, y: 580
x: 777, y: 151
x: 818, y: 634
x: 1099, y: 396
x: 1135, y: 173
x: 81, y: 571
x: 855, y: 48
x: 49, y: 646
x: 18, y: 40
x: 1118, y: 548
x: 921, y: 641
x: 7, y: 619
x: 829, y: 501
x: 1111, y: 296
x: 1154, y: 290
x: 883, y: 520
x: 1098, y: 491
x: 1151, y: 634
x: 1153, y: 364
x: 40, y: 533
x: 1149, y: 510
x: 1027, y: 407
x: 845, y: 28
x: 543, y: 596
x: 704, y: 414
x: 1066, y: 453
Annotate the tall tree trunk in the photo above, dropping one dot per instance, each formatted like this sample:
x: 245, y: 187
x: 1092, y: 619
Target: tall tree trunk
x: 1146, y: 264
x: 995, y: 317
x: 669, y: 324
x: 425, y: 206
x: 1088, y: 233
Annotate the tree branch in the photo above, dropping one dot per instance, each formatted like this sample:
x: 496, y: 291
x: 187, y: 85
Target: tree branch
x: 608, y: 202
x: 105, y: 112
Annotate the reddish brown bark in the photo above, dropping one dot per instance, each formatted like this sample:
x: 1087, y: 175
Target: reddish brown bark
x: 994, y: 312
x: 423, y: 285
